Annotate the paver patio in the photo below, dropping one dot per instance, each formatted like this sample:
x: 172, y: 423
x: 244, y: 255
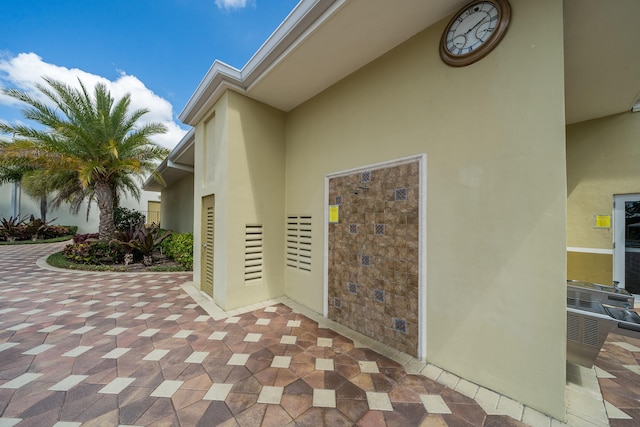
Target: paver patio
x: 108, y: 349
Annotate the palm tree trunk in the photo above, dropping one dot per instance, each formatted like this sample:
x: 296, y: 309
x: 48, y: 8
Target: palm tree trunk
x: 43, y: 209
x: 104, y: 198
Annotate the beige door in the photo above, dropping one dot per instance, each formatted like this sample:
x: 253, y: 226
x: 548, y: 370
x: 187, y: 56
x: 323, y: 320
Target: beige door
x: 153, y: 212
x: 206, y: 264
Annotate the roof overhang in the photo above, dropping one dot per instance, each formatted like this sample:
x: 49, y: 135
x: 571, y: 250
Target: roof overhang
x: 323, y: 41
x: 178, y: 164
x: 318, y: 44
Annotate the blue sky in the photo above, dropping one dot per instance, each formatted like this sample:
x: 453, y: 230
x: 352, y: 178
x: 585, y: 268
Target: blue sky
x: 157, y: 50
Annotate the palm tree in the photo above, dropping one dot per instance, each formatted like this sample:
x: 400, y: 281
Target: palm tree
x: 88, y: 146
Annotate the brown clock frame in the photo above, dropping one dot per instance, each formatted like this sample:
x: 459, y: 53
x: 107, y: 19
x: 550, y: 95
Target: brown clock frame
x: 504, y: 19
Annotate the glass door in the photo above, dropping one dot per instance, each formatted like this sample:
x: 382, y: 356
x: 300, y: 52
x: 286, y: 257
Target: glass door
x: 626, y: 250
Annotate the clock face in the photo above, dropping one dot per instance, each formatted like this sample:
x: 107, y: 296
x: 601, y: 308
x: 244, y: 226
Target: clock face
x: 474, y: 31
x: 472, y: 28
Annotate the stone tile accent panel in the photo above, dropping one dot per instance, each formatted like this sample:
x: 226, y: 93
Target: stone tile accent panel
x: 374, y: 249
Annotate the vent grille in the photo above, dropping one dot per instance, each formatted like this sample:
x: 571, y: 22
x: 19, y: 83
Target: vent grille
x: 573, y: 327
x: 253, y: 253
x: 590, y: 333
x: 208, y: 248
x: 299, y: 242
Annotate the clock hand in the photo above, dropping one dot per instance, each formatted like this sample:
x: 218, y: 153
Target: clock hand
x: 475, y: 26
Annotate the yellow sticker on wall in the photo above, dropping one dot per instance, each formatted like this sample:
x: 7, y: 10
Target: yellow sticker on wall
x: 334, y: 213
x: 602, y: 221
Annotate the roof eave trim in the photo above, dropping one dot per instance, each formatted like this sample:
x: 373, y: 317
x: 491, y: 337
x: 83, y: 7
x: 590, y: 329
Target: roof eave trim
x: 221, y: 76
x: 185, y: 143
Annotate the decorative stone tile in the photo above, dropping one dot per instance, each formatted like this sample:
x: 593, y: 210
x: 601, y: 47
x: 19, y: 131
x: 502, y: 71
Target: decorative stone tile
x: 400, y: 325
x: 379, y: 401
x: 324, y: 398
x: 338, y: 200
x: 271, y: 395
x: 144, y: 316
x: 117, y: 385
x: 365, y: 260
x: 167, y: 388
x: 218, y: 335
x: 400, y: 194
x: 83, y: 330
x: 156, y: 355
x: 115, y: 331
x: 324, y: 364
x: 435, y: 404
x: 368, y: 367
x: 238, y: 359
x: 378, y: 229
x: 197, y: 357
x: 365, y: 176
x: 116, y: 353
x: 337, y: 302
x: 252, y: 337
x: 39, y: 349
x: 68, y: 383
x: 20, y: 381
x: 288, y: 339
x: 353, y: 228
x: 324, y: 342
x: 7, y: 345
x: 378, y: 295
x: 218, y: 392
x: 78, y: 351
x: 184, y: 333
x: 281, y: 362
x: 352, y: 288
x: 51, y: 328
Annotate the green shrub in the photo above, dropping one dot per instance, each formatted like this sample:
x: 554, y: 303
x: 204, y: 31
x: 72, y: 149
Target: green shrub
x: 12, y: 228
x: 94, y: 252
x: 179, y: 247
x: 125, y: 218
x: 31, y: 228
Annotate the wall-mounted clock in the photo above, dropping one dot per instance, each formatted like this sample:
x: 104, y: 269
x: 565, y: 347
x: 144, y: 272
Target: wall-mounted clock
x: 474, y: 31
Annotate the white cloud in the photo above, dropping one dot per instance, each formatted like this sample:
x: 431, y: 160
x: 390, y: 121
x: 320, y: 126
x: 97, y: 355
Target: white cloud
x: 26, y: 70
x: 231, y: 4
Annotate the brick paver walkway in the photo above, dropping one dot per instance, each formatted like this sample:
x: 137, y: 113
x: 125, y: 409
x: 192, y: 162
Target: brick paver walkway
x: 100, y: 349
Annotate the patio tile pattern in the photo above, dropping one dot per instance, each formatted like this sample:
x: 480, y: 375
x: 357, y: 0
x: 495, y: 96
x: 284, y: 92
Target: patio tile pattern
x: 100, y: 349
x: 618, y: 372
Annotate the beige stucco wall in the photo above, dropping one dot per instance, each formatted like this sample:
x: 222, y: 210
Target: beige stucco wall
x: 602, y: 160
x: 176, y: 209
x: 493, y: 133
x: 242, y: 163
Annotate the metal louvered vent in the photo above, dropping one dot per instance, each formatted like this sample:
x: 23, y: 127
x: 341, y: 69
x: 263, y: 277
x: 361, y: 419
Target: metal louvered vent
x: 253, y: 253
x: 590, y: 333
x: 573, y: 327
x: 298, y: 242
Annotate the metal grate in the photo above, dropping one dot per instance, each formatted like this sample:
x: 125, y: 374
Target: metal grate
x: 590, y: 333
x: 573, y: 327
x: 253, y: 262
x: 298, y: 241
